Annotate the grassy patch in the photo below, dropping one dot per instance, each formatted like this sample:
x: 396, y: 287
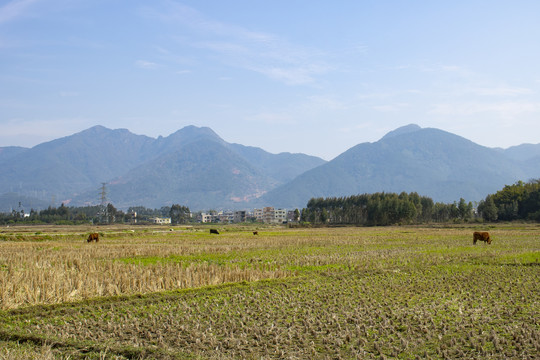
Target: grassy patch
x: 527, y: 258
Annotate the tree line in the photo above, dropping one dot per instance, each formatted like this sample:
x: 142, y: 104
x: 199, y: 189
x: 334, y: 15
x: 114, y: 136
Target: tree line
x: 380, y: 209
x: 96, y: 215
x: 520, y: 201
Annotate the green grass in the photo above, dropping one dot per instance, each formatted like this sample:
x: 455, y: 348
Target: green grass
x: 527, y: 258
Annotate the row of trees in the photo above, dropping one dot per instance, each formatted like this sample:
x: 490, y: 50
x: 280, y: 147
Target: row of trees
x: 520, y: 201
x: 97, y: 215
x: 384, y: 209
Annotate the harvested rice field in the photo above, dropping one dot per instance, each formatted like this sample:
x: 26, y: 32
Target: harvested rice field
x: 300, y: 293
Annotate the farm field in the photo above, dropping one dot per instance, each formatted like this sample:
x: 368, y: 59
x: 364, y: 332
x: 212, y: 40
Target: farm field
x: 308, y: 293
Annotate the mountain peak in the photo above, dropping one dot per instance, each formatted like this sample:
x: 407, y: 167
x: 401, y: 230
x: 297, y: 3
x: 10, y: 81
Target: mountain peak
x: 407, y: 129
x: 192, y: 132
x: 96, y: 129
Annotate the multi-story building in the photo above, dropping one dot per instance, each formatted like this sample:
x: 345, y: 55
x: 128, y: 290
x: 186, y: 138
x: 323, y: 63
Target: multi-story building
x: 280, y: 216
x: 258, y: 214
x: 240, y: 216
x: 268, y: 215
x: 206, y: 218
x: 226, y: 216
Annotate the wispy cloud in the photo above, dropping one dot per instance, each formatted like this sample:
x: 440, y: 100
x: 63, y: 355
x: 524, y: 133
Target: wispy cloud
x: 14, y: 9
x: 143, y: 64
x: 236, y: 46
x: 195, y: 20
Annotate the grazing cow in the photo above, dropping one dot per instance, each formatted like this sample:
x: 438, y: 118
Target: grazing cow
x: 482, y: 236
x: 93, y: 237
x: 255, y: 233
x: 214, y: 231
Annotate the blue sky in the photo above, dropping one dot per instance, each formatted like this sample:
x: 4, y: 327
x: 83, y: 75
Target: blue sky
x: 308, y: 76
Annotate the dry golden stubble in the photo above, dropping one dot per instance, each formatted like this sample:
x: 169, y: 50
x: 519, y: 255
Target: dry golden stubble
x: 42, y: 272
x: 57, y: 265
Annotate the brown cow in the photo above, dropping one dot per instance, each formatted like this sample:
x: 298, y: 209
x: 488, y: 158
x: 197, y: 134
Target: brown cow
x: 255, y: 233
x: 93, y: 237
x: 482, y: 236
x: 214, y: 231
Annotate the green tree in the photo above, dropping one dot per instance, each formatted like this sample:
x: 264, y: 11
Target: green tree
x: 63, y: 212
x: 323, y: 216
x: 296, y: 215
x: 508, y: 199
x: 509, y: 211
x: 111, y: 213
x: 179, y: 214
x: 427, y: 207
x: 531, y: 206
x: 465, y: 209
x: 487, y: 209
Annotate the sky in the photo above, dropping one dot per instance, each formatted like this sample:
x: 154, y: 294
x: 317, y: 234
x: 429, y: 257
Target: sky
x: 310, y: 76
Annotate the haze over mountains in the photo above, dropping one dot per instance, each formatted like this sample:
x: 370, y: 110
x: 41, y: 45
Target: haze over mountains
x: 192, y: 166
x: 196, y: 168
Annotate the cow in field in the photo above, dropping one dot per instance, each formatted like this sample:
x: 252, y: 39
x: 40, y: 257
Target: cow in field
x: 93, y: 237
x: 255, y: 233
x: 482, y: 236
x: 214, y: 231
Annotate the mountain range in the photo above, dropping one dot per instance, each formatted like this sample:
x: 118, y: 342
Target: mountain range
x: 197, y: 168
x: 192, y: 166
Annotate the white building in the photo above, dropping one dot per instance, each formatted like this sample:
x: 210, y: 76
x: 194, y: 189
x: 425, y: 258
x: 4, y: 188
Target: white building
x: 280, y: 216
x: 206, y: 218
x: 161, y: 221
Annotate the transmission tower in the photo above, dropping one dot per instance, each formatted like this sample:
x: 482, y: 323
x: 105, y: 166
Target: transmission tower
x: 103, y: 194
x: 103, y: 204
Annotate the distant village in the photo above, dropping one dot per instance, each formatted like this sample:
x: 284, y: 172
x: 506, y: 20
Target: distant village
x: 167, y: 215
x: 267, y: 215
